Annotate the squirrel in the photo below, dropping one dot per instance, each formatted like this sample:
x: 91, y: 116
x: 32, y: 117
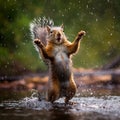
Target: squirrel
x: 55, y: 50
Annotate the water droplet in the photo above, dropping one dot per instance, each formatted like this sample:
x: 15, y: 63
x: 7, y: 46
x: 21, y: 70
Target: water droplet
x: 111, y: 34
x: 86, y: 6
x: 96, y: 19
x: 91, y: 13
x: 91, y: 93
x: 53, y: 10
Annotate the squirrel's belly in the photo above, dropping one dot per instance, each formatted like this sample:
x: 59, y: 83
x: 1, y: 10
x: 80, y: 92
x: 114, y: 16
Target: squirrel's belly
x: 62, y: 68
x: 61, y: 57
x: 63, y: 61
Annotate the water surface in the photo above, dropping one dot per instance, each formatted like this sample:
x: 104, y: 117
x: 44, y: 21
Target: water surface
x: 89, y: 104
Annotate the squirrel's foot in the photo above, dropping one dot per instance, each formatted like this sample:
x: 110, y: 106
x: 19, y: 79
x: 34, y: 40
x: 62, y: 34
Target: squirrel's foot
x: 70, y: 103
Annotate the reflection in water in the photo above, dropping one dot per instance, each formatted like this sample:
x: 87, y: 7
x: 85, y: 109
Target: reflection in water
x: 61, y: 114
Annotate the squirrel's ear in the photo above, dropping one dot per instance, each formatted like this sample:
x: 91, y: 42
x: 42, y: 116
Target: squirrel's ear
x: 62, y: 26
x: 48, y: 28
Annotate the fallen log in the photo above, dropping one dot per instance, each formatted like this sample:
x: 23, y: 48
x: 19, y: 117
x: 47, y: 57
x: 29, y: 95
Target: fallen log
x: 82, y: 77
x: 115, y: 63
x: 98, y: 76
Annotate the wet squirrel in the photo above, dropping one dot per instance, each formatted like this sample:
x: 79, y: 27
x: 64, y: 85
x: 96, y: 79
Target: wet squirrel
x: 55, y: 50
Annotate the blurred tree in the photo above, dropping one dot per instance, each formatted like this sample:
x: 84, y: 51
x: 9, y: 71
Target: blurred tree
x: 99, y: 18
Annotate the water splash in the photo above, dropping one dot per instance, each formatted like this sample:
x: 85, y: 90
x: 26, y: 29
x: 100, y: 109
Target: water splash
x: 34, y: 103
x: 105, y: 105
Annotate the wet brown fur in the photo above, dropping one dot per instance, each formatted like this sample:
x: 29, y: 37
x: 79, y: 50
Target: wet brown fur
x: 60, y: 86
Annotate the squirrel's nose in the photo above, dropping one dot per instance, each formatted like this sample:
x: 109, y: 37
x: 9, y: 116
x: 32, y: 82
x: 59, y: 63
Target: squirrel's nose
x: 58, y: 34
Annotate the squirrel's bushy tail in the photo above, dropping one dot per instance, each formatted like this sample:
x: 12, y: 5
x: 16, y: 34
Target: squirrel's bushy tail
x: 38, y: 28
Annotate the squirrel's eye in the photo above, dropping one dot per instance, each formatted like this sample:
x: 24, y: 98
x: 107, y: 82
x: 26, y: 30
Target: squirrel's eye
x: 51, y: 31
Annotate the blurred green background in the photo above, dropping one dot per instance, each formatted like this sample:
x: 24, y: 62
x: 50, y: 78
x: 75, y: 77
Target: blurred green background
x: 99, y: 18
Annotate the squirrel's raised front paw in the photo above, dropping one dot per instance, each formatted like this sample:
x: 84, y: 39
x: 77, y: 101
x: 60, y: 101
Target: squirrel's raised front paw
x: 38, y: 42
x: 81, y: 33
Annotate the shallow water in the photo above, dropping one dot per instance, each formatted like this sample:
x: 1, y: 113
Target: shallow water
x: 89, y: 104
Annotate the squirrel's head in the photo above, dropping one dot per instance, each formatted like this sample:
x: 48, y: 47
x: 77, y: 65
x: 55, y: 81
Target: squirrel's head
x: 56, y: 34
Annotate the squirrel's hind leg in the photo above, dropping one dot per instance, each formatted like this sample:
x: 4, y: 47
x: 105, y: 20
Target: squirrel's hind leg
x: 70, y: 94
x: 52, y: 96
x: 68, y: 102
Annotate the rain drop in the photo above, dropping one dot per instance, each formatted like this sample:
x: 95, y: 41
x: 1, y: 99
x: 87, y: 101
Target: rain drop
x: 96, y: 19
x: 111, y: 34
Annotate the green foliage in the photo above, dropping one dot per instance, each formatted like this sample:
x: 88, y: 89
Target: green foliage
x: 29, y: 57
x: 99, y: 18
